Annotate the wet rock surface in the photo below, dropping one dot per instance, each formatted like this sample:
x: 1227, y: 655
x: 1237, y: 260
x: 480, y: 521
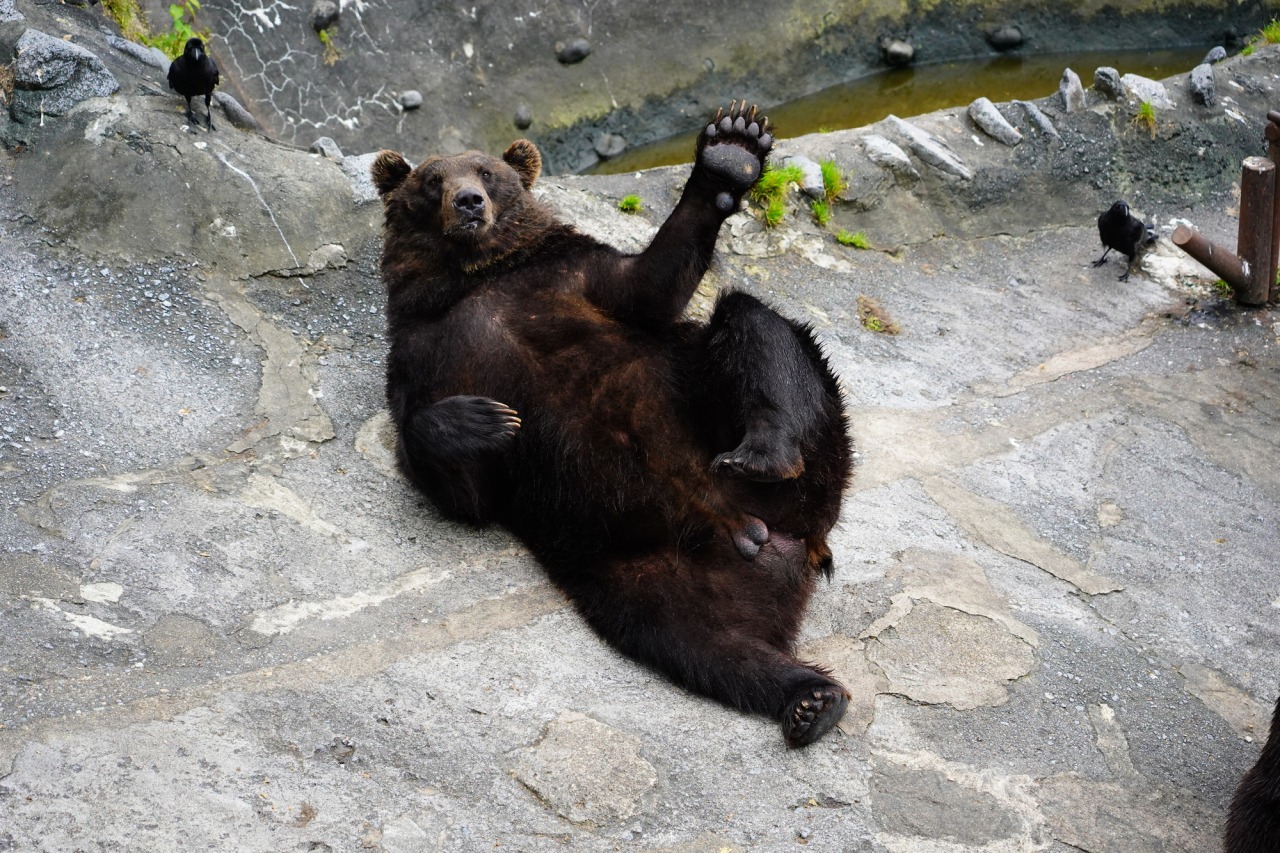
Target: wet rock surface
x: 227, y: 617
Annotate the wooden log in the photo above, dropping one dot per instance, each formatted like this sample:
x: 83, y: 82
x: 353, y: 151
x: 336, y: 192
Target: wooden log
x: 1257, y: 222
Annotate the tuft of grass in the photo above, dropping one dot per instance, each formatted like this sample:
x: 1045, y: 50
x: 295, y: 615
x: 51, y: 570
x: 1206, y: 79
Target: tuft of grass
x: 774, y: 181
x: 629, y: 204
x: 129, y: 18
x: 774, y: 210
x: 874, y: 318
x: 834, y: 181
x: 856, y: 240
x: 133, y: 25
x: 1224, y: 290
x: 1270, y: 34
x: 331, y: 52
x: 1145, y: 118
x: 821, y: 211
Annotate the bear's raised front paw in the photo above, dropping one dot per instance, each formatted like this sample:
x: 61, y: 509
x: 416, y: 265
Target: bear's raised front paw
x: 732, y: 149
x: 814, y: 713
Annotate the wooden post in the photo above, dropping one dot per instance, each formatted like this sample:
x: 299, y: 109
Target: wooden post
x: 1273, y: 154
x: 1257, y: 223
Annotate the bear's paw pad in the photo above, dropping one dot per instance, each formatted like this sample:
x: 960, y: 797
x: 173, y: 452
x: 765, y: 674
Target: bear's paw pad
x: 734, y: 145
x: 814, y: 713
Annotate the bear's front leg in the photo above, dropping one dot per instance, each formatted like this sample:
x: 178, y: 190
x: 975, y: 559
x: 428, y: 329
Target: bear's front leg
x: 653, y: 287
x: 450, y: 448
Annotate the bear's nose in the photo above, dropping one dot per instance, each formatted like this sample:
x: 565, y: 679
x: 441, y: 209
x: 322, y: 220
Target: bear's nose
x: 469, y: 201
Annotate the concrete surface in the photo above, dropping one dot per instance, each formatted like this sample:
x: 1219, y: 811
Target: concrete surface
x: 228, y: 625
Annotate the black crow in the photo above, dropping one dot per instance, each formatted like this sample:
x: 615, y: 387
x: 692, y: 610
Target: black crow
x: 1124, y: 232
x: 194, y: 74
x: 1253, y: 822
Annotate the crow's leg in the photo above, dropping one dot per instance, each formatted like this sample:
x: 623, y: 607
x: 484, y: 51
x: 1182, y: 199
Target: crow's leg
x: 1100, y: 261
x: 209, y: 110
x: 191, y: 116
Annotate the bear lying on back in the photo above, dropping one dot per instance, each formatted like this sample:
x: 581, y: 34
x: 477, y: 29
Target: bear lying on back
x: 677, y: 480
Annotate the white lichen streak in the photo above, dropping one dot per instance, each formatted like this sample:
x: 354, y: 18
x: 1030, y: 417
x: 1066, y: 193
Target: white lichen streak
x: 288, y: 616
x: 254, y: 184
x: 89, y: 625
x: 291, y: 80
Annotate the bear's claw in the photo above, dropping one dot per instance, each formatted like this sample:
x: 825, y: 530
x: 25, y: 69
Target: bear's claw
x: 760, y: 464
x: 733, y: 147
x: 813, y: 714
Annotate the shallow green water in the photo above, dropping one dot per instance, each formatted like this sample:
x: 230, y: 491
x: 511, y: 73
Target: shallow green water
x: 913, y: 91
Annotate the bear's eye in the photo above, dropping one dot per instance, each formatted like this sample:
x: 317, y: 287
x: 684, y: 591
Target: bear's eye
x: 485, y: 174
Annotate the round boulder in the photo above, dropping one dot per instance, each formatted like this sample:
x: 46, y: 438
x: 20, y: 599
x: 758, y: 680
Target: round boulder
x: 610, y: 145
x: 572, y: 51
x: 1106, y: 81
x: 896, y: 52
x: 523, y: 117
x: 411, y: 99
x: 1005, y: 38
x: 324, y: 14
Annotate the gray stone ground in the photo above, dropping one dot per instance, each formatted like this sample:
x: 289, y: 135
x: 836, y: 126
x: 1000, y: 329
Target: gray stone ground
x: 228, y: 624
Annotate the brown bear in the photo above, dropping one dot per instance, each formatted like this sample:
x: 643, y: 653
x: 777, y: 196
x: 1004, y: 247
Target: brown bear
x: 677, y: 480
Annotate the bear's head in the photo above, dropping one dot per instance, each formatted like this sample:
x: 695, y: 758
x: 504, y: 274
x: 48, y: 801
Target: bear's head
x: 471, y: 201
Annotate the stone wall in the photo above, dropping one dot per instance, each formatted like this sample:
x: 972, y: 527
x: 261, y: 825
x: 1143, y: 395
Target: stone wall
x: 643, y: 71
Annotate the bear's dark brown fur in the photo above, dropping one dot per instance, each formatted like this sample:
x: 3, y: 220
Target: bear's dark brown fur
x: 1253, y: 821
x: 677, y: 480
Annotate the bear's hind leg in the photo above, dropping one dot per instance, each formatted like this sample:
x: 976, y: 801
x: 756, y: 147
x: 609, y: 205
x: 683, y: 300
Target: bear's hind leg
x: 759, y: 679
x: 719, y: 629
x: 766, y: 390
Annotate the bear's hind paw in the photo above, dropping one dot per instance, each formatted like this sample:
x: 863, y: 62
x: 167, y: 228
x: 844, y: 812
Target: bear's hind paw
x: 758, y: 464
x: 814, y: 713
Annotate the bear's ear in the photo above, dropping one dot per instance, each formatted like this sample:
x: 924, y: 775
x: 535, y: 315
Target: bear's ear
x: 523, y: 156
x: 389, y: 171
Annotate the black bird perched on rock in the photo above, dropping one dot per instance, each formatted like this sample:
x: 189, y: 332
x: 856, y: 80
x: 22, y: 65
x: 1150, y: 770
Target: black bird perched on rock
x: 1124, y: 232
x: 194, y: 74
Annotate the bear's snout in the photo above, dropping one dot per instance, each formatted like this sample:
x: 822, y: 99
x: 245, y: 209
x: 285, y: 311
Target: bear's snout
x: 469, y: 201
x: 468, y: 210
